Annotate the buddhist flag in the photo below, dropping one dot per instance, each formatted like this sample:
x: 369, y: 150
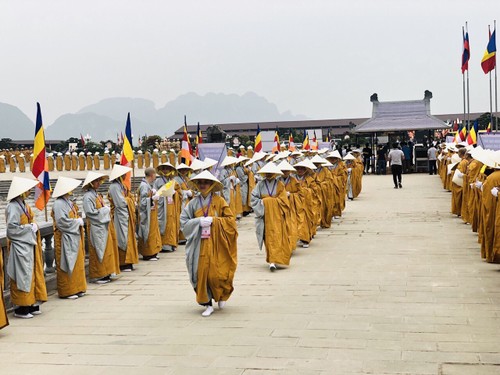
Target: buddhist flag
x: 82, y: 140
x: 291, y: 143
x: 276, y: 143
x: 186, y: 150
x: 127, y: 152
x: 40, y: 165
x: 198, y: 140
x: 488, y: 62
x: 472, y: 137
x: 314, y: 144
x: 258, y: 141
x: 488, y: 129
x: 305, y: 142
x: 463, y: 133
x: 466, y: 51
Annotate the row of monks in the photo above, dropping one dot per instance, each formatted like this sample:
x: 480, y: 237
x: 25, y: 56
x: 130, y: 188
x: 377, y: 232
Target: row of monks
x: 472, y: 175
x: 289, y: 194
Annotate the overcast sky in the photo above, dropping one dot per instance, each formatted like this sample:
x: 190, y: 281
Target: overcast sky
x: 320, y: 58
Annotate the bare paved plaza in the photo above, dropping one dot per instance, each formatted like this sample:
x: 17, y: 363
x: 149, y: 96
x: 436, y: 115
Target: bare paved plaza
x: 396, y: 286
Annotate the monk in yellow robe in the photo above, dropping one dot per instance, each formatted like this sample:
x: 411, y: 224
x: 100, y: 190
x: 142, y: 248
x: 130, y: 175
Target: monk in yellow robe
x: 68, y: 241
x: 148, y: 231
x: 169, y: 208
x: 106, y: 160
x: 163, y: 157
x: 271, y: 207
x: 67, y: 161
x: 147, y: 159
x: 123, y: 213
x: 456, y: 190
x: 339, y: 175
x: 306, y: 220
x: 296, y: 200
x: 156, y: 158
x: 103, y: 249
x: 182, y: 178
x: 211, y: 233
x: 97, y: 161
x: 89, y: 161
x: 324, y: 180
x: 50, y: 162
x: 25, y: 264
x: 140, y: 159
x: 490, y: 247
x: 2, y: 163
x: 74, y: 161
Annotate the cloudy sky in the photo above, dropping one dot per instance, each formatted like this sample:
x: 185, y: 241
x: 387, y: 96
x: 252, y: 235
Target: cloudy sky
x: 320, y: 58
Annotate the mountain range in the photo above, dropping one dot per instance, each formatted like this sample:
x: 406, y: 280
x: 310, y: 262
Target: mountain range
x: 104, y: 119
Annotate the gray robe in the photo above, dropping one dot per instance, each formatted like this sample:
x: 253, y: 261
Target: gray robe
x: 70, y: 234
x: 224, y: 178
x: 243, y: 177
x: 162, y: 204
x: 190, y: 226
x: 256, y: 167
x: 121, y: 214
x: 99, y: 223
x: 185, y: 199
x: 21, y: 261
x: 257, y: 204
x: 144, y: 211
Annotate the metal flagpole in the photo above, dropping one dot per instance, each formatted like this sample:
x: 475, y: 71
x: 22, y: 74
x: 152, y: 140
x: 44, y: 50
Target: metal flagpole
x: 468, y: 100
x: 496, y: 91
x: 463, y: 83
x: 491, y: 90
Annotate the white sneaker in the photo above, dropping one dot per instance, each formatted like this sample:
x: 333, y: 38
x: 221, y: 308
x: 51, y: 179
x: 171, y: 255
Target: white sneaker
x: 305, y: 245
x: 25, y: 316
x: 74, y: 296
x: 272, y: 267
x: 81, y: 294
x: 103, y: 281
x: 208, y: 311
x: 222, y: 304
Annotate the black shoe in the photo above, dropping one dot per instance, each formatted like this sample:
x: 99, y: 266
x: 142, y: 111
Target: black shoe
x: 400, y: 186
x: 395, y: 187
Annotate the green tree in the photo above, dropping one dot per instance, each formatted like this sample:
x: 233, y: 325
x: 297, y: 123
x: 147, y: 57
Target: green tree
x: 150, y: 142
x: 6, y: 143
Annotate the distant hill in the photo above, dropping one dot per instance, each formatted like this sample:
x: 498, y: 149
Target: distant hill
x: 104, y: 119
x: 14, y: 123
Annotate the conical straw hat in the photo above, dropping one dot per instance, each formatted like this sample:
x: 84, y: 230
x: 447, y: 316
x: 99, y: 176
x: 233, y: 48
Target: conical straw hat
x: 92, y: 176
x: 209, y: 162
x: 183, y: 166
x: 197, y: 164
x: 20, y: 185
x: 206, y: 175
x: 118, y: 171
x: 318, y: 159
x: 228, y: 160
x: 286, y: 166
x: 334, y: 154
x: 303, y: 164
x: 349, y: 157
x: 166, y: 164
x: 270, y: 168
x: 65, y: 185
x: 310, y: 163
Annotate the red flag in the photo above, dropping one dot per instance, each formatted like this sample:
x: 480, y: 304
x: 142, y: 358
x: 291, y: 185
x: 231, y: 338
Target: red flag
x: 83, y: 140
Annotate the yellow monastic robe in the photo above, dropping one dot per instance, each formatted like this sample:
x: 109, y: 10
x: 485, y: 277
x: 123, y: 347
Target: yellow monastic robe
x: 306, y: 220
x: 171, y: 158
x: 164, y: 157
x: 170, y: 236
x: 2, y: 165
x: 217, y: 260
x: 251, y: 185
x: 147, y: 159
x: 69, y: 285
x: 81, y: 162
x: 107, y: 161
x: 50, y: 162
x: 297, y: 212
x: 325, y: 180
x: 90, y: 162
x: 74, y: 162
x: 456, y: 190
x: 22, y: 164
x: 473, y: 174
x: 156, y: 159
x: 140, y: 161
x: 59, y: 163
x: 131, y: 256
x: 97, y: 162
x: 38, y: 290
x: 4, y: 321
x: 12, y: 164
x: 67, y: 162
x: 357, y: 176
x: 489, y: 216
x: 110, y: 261
x: 152, y: 245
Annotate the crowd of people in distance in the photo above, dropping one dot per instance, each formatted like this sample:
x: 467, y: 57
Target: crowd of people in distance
x: 290, y: 195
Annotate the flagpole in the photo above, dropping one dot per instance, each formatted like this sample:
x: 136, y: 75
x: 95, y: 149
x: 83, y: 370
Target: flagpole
x: 496, y: 90
x: 45, y: 208
x: 468, y: 100
x: 463, y: 80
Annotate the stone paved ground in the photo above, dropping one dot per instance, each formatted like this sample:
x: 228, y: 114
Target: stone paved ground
x: 396, y: 286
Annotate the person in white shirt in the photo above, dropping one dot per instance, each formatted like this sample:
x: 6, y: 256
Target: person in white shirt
x: 431, y: 156
x: 396, y: 157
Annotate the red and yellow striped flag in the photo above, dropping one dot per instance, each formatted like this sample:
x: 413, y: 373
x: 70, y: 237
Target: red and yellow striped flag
x: 40, y: 165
